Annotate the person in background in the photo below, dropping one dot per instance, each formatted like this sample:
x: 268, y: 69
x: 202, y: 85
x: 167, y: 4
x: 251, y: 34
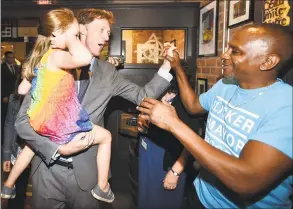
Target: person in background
x: 9, y: 72
x: 246, y: 157
x: 162, y: 176
x: 12, y: 146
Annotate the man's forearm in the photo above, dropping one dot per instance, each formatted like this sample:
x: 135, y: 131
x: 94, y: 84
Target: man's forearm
x: 231, y: 171
x: 188, y: 97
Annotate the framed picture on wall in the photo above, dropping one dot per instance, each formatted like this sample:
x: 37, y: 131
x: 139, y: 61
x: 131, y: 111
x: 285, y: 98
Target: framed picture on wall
x: 208, y: 29
x: 144, y: 47
x: 201, y: 85
x: 240, y: 12
x: 264, y: 12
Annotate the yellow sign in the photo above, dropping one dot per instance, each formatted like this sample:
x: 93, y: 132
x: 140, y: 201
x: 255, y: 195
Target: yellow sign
x: 276, y: 11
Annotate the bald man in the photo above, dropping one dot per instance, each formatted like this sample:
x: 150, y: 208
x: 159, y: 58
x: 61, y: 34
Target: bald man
x: 246, y: 156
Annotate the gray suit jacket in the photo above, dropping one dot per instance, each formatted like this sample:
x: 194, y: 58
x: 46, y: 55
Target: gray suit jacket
x: 105, y: 83
x: 11, y: 139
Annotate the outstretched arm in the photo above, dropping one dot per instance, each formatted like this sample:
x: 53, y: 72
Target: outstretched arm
x: 247, y: 175
x: 135, y: 93
x: 189, y: 98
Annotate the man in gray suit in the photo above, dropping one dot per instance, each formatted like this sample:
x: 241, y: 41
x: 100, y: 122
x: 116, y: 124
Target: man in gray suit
x: 64, y: 175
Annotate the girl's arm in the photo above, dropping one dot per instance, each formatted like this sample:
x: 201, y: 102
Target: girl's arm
x: 24, y: 87
x: 76, y: 56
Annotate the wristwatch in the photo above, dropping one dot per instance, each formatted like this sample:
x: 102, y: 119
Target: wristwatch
x: 175, y: 173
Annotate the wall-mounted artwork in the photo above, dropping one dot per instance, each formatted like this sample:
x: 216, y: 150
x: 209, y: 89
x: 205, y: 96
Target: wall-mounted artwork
x: 208, y: 29
x: 272, y: 11
x: 146, y: 46
x: 240, y: 12
x: 202, y: 85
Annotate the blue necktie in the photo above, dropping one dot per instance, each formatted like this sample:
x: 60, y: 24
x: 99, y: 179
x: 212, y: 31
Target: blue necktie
x: 84, y: 82
x: 82, y: 89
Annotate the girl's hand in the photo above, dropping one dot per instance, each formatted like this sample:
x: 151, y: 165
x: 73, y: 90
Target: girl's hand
x: 70, y: 40
x: 170, y: 182
x: 6, y: 166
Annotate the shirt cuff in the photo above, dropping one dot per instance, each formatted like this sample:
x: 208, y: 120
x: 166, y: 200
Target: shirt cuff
x: 56, y: 155
x: 165, y: 73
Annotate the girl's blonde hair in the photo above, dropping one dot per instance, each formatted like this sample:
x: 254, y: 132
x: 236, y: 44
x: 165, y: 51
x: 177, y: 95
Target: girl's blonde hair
x: 57, y: 19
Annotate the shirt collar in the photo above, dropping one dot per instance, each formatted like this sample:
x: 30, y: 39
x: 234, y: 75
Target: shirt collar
x: 92, y: 64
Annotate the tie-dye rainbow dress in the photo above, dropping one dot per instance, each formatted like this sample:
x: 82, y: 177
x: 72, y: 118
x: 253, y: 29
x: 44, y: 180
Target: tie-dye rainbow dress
x: 55, y: 110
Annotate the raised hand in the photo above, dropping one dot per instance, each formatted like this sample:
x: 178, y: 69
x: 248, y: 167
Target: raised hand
x: 168, y: 48
x: 174, y: 60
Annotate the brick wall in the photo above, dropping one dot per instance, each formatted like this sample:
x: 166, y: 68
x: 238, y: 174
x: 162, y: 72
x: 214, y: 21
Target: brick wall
x: 210, y: 67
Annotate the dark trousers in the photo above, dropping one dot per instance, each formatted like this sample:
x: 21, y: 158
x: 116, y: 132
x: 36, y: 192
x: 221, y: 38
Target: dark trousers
x: 20, y: 185
x: 193, y: 200
x: 56, y: 187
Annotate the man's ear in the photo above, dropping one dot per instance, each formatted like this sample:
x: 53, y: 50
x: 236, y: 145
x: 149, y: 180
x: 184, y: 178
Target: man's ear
x: 270, y: 62
x: 82, y: 29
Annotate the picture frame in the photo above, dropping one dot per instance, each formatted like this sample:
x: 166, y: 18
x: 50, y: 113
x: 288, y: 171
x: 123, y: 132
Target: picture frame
x: 201, y: 85
x: 208, y: 30
x: 264, y: 12
x: 239, y: 12
x: 143, y: 47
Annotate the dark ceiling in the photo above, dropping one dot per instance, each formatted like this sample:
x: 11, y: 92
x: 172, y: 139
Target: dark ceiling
x: 52, y: 2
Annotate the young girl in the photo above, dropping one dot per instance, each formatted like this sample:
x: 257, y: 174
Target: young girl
x: 55, y: 111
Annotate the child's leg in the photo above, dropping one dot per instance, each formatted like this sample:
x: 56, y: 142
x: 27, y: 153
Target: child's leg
x: 22, y: 161
x: 103, y: 138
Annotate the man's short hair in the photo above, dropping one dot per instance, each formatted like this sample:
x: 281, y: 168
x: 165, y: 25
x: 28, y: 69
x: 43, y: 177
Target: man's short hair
x: 280, y: 39
x: 86, y: 16
x: 7, y: 53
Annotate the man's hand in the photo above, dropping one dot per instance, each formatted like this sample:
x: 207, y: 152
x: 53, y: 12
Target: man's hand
x: 174, y: 60
x: 113, y: 61
x: 142, y: 124
x: 6, y: 166
x: 168, y: 48
x: 92, y: 134
x: 5, y: 100
x: 158, y: 113
x: 79, y: 143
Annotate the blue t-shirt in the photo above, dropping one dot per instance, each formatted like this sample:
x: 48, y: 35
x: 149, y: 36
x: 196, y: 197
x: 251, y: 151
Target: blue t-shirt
x: 236, y: 116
